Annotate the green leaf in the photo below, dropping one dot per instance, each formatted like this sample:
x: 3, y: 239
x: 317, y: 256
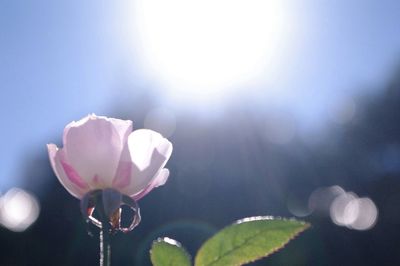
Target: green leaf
x: 247, y: 240
x: 166, y: 251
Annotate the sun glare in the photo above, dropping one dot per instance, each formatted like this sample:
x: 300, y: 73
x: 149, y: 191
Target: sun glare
x: 203, y: 48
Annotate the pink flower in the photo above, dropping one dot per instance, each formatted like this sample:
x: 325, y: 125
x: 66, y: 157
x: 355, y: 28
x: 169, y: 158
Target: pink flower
x: 101, y: 153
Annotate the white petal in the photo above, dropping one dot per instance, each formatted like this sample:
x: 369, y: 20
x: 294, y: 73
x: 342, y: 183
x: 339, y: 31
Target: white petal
x: 149, y: 152
x: 159, y: 180
x: 93, y: 148
x: 123, y: 127
x: 73, y: 189
x: 143, y: 142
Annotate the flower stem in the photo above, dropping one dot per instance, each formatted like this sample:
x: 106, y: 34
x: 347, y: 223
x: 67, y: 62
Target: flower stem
x: 105, y: 247
x: 105, y: 236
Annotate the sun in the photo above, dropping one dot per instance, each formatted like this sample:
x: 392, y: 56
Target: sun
x: 203, y: 49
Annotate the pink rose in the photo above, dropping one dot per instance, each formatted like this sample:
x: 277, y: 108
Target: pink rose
x: 103, y: 153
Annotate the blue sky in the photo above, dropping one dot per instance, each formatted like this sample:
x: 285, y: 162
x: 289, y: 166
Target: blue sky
x: 60, y: 60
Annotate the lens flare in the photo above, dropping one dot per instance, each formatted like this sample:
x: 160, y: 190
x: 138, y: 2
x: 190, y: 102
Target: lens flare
x: 343, y: 212
x: 19, y: 210
x: 367, y: 214
x: 321, y: 199
x: 353, y: 212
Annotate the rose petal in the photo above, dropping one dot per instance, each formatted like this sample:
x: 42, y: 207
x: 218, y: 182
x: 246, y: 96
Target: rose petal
x: 104, y: 153
x: 148, y: 152
x: 73, y: 189
x: 140, y: 179
x: 159, y: 180
x: 123, y: 127
x: 93, y: 148
x: 142, y: 144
